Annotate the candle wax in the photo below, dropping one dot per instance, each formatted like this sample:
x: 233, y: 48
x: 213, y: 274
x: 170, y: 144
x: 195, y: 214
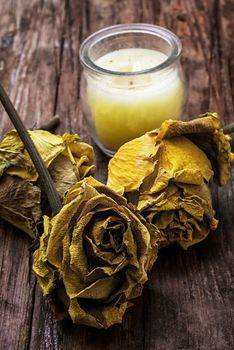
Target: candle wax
x: 125, y: 107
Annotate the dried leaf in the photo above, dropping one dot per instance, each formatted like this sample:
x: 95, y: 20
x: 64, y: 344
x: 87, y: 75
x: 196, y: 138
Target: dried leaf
x: 10, y: 158
x: 62, y: 173
x: 19, y: 203
x: 45, y: 273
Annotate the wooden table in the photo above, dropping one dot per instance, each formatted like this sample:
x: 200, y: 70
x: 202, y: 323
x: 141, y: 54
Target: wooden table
x: 188, y: 301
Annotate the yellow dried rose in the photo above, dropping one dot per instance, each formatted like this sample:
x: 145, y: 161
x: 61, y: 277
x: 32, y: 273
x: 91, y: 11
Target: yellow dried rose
x: 166, y: 174
x: 67, y: 160
x: 94, y: 256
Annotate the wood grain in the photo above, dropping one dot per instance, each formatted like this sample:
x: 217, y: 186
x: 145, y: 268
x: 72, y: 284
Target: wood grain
x: 188, y: 301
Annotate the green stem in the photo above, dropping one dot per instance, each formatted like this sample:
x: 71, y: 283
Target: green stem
x: 45, y: 178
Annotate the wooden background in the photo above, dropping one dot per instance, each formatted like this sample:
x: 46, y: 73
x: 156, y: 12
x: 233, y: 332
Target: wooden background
x: 188, y: 301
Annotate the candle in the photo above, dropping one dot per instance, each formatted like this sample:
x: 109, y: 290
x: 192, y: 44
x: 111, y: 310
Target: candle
x: 132, y: 82
x: 123, y: 109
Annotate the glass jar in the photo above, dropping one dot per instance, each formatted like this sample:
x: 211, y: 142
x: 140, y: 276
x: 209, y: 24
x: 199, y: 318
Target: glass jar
x: 131, y: 82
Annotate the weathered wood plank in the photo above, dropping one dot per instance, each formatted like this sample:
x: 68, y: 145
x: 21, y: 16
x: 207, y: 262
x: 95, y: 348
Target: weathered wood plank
x: 30, y: 46
x: 17, y: 289
x: 187, y: 303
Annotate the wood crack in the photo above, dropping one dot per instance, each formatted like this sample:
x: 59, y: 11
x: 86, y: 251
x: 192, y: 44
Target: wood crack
x: 60, y: 60
x: 28, y: 344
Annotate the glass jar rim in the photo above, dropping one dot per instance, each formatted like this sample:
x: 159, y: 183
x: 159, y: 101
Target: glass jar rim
x: 163, y: 33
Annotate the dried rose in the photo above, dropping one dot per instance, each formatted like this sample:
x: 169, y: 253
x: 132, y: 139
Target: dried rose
x: 94, y: 256
x: 166, y: 174
x: 67, y: 159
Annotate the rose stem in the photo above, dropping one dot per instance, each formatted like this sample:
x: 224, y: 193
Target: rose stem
x: 45, y: 178
x: 51, y: 125
x: 228, y: 129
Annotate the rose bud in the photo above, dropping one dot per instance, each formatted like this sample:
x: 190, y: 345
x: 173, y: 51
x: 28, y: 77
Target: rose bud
x: 166, y: 174
x: 94, y: 256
